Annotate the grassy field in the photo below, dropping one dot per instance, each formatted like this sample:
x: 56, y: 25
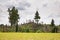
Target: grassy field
x: 29, y: 36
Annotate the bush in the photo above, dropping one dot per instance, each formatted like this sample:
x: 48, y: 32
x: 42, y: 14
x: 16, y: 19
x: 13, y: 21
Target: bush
x: 55, y: 30
x: 39, y: 31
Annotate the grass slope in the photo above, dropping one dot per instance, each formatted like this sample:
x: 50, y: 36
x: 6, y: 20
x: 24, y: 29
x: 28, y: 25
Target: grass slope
x: 29, y: 36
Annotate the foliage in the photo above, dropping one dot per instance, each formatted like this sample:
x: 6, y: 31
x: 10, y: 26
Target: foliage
x: 37, y: 17
x: 55, y: 30
x: 13, y: 17
x: 27, y: 27
x: 52, y: 22
x: 39, y: 31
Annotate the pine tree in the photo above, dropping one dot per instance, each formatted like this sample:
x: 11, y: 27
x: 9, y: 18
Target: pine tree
x: 52, y: 22
x: 37, y: 17
x: 13, y: 17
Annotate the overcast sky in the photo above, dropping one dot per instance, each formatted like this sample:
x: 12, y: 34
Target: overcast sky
x: 48, y: 10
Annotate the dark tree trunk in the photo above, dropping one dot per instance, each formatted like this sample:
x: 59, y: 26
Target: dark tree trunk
x: 17, y: 28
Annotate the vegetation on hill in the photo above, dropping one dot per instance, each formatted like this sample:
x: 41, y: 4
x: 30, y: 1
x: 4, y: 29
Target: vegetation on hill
x: 31, y: 27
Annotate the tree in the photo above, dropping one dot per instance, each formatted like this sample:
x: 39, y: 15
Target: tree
x: 52, y: 22
x: 13, y: 17
x: 55, y: 30
x: 37, y: 17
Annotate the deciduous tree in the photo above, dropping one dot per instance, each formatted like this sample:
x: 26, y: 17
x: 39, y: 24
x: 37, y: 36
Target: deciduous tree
x: 13, y: 17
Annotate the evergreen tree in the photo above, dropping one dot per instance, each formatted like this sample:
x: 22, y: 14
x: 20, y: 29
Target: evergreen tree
x: 55, y: 30
x: 37, y: 17
x: 52, y: 22
x: 13, y: 17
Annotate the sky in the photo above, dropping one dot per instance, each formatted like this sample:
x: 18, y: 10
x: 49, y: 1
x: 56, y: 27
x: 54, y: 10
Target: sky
x: 48, y: 10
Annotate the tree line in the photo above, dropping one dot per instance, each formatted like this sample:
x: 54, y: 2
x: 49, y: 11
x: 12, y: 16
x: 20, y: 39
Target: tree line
x: 14, y: 17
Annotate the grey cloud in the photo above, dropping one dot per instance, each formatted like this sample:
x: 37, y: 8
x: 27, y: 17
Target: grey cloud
x: 51, y: 15
x: 19, y: 5
x: 45, y: 5
x: 58, y: 15
x: 27, y: 4
x: 0, y: 10
x: 23, y: 6
x: 9, y: 6
x: 20, y: 8
x: 54, y: 15
x: 2, y: 1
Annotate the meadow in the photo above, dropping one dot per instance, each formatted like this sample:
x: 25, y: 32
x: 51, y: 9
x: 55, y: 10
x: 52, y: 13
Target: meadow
x: 29, y: 36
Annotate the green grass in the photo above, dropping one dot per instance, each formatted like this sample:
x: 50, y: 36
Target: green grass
x: 29, y: 36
